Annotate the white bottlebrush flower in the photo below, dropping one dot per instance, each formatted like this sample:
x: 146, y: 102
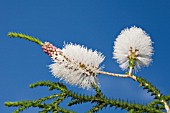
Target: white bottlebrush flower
x: 133, y: 42
x: 76, y: 65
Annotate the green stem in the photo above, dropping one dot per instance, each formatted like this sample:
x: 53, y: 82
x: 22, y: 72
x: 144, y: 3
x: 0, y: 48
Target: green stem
x: 26, y: 37
x: 131, y: 65
x: 154, y: 91
x: 148, y: 86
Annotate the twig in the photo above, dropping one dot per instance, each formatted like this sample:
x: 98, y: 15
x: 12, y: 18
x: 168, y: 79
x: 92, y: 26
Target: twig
x: 118, y: 75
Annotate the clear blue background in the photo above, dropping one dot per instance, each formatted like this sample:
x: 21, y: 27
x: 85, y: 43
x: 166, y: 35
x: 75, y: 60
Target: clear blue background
x: 93, y: 23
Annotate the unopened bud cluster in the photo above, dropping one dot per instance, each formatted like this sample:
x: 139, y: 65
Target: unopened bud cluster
x: 51, y: 50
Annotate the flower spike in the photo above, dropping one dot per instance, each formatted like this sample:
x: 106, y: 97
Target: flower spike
x: 75, y: 64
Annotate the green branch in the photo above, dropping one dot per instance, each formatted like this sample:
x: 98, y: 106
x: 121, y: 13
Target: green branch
x: 147, y: 85
x: 99, y: 99
x: 103, y: 101
x: 39, y: 103
x: 26, y: 37
x: 50, y: 85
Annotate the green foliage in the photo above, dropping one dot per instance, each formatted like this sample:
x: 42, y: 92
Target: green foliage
x: 40, y: 103
x: 100, y: 100
x: 147, y: 85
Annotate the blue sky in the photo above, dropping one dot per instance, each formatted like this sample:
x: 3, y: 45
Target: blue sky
x: 93, y: 23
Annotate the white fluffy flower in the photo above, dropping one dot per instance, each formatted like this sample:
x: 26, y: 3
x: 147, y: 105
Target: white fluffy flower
x: 77, y: 65
x: 133, y: 41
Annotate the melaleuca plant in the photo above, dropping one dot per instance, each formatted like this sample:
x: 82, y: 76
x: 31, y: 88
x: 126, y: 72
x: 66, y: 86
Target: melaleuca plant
x: 77, y: 65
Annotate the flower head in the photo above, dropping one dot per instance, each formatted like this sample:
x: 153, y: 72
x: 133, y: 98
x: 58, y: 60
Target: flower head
x: 76, y: 65
x: 135, y: 44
